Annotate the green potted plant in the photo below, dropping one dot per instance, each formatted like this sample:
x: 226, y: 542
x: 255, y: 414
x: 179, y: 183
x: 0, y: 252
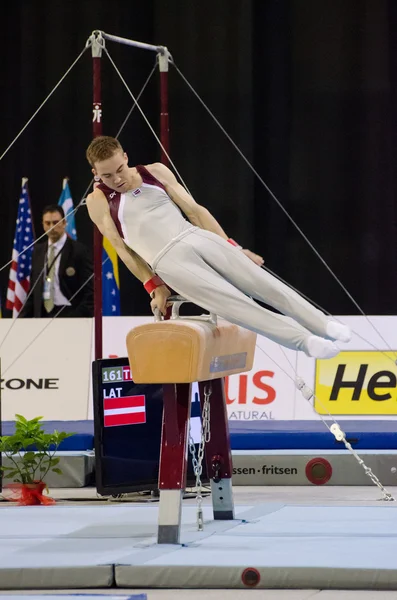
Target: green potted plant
x: 29, y: 467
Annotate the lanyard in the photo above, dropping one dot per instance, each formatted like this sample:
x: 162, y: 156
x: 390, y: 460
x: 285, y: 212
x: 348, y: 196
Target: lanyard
x: 48, y: 267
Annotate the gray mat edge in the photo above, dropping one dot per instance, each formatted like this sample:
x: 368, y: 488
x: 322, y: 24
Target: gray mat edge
x: 208, y: 577
x: 98, y: 576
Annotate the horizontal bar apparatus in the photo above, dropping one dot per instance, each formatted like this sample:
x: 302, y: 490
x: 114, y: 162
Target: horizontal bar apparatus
x: 142, y: 45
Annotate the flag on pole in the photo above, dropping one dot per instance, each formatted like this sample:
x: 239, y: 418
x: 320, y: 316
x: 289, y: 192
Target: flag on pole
x: 21, y: 266
x: 110, y: 281
x: 66, y: 202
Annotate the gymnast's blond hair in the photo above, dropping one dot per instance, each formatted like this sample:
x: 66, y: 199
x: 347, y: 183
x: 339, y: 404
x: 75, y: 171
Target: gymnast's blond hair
x: 101, y: 148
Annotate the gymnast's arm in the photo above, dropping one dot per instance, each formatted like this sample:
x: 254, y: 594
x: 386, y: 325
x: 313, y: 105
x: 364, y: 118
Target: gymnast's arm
x: 98, y: 210
x: 198, y: 215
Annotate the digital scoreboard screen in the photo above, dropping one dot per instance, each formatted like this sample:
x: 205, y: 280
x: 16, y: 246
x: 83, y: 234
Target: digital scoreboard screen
x: 127, y: 423
x: 118, y: 408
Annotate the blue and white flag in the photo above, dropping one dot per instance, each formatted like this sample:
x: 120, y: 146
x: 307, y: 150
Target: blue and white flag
x: 65, y: 200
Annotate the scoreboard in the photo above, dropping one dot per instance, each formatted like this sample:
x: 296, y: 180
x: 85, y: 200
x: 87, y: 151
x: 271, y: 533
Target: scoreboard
x: 127, y: 429
x: 119, y: 408
x: 116, y: 374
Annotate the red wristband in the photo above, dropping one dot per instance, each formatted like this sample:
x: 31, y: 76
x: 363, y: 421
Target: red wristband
x: 233, y: 243
x: 151, y: 284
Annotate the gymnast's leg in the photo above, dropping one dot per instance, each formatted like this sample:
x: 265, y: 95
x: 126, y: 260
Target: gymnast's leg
x: 239, y: 270
x: 185, y: 271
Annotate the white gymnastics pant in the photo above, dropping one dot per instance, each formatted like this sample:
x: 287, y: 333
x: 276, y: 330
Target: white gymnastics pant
x: 207, y: 270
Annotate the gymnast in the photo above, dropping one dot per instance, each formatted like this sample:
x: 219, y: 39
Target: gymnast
x: 165, y: 238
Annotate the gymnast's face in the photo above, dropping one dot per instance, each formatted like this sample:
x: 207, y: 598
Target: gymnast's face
x: 114, y: 172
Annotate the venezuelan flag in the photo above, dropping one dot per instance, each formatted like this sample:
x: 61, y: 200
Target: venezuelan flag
x: 110, y: 281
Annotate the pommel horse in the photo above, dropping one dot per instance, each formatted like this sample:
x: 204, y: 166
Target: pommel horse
x: 176, y: 352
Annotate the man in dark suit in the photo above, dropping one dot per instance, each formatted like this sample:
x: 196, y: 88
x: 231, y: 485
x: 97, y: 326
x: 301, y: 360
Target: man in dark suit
x: 61, y: 268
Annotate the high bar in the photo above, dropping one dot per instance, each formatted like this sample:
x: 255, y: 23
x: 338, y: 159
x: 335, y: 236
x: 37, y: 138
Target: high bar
x: 142, y: 45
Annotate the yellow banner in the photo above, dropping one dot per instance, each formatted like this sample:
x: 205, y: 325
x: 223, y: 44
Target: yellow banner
x: 357, y: 383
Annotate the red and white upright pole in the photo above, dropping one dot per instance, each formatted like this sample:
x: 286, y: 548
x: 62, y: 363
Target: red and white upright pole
x: 97, y: 44
x: 163, y: 58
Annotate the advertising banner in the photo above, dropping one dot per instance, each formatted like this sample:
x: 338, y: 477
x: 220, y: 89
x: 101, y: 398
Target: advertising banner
x: 361, y: 381
x: 267, y: 392
x: 45, y: 368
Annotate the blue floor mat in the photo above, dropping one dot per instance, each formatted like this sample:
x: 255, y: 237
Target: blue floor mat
x: 259, y: 435
x: 83, y: 430
x: 311, y: 435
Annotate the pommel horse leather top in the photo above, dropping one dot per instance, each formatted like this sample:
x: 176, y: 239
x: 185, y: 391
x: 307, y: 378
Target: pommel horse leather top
x: 189, y: 349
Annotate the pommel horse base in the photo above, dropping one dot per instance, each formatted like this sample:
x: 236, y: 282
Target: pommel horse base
x: 176, y: 352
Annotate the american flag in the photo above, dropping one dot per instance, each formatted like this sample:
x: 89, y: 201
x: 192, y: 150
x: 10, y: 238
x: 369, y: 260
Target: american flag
x: 21, y: 266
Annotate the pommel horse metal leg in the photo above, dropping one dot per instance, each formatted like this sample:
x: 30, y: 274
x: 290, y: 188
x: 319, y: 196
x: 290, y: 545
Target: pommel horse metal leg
x: 218, y: 453
x: 173, y: 456
x: 173, y: 460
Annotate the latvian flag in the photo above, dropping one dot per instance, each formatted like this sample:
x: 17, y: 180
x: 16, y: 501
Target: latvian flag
x: 129, y: 410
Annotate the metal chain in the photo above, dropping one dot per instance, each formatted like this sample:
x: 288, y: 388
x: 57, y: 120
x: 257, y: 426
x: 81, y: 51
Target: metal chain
x: 340, y: 436
x: 197, y: 462
x: 368, y: 471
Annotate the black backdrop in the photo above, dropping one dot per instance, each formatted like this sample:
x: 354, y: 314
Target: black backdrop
x: 306, y: 89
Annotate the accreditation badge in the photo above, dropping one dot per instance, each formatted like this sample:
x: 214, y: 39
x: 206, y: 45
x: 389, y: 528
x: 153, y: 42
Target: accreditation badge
x: 47, y: 289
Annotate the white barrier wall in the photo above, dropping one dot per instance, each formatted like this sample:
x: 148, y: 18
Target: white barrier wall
x: 46, y: 370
